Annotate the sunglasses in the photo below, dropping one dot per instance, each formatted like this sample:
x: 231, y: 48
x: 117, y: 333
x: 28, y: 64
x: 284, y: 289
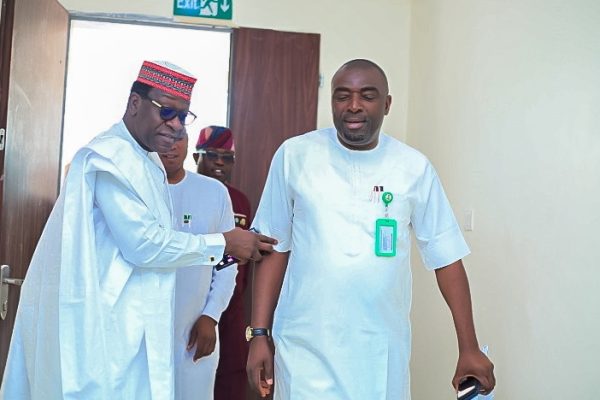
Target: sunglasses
x: 227, y: 158
x: 168, y: 113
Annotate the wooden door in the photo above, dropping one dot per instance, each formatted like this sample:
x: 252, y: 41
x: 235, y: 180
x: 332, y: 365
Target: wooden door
x: 274, y: 96
x: 35, y: 67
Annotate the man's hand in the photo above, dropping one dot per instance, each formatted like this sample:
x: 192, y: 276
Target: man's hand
x: 260, y: 365
x: 247, y: 245
x: 454, y: 285
x: 476, y: 364
x: 203, y: 335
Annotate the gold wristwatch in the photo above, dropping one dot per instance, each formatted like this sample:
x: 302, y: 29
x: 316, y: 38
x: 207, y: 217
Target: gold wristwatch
x: 253, y: 332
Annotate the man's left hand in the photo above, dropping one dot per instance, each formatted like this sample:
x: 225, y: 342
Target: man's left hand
x: 476, y: 364
x: 203, y: 335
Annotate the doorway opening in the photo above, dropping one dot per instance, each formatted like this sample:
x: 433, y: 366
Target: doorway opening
x: 104, y: 58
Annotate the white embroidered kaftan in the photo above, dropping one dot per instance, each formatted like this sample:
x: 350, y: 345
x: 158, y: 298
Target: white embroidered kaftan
x: 95, y: 318
x: 341, y: 327
x: 203, y: 202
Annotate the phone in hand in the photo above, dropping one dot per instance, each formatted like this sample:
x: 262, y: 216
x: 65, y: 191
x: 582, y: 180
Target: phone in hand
x: 226, y: 261
x: 468, y: 389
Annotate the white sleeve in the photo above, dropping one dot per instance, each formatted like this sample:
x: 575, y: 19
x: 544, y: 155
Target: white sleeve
x: 438, y: 235
x: 275, y: 210
x: 142, y: 240
x: 223, y: 281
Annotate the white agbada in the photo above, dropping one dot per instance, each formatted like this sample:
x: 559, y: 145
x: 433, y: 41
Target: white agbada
x: 341, y: 327
x: 199, y: 290
x: 95, y: 318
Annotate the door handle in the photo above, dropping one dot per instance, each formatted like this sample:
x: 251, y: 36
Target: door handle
x: 2, y: 137
x: 6, y: 280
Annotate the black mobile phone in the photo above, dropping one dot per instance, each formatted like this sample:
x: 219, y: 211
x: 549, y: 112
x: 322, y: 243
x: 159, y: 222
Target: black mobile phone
x: 226, y: 261
x: 468, y: 389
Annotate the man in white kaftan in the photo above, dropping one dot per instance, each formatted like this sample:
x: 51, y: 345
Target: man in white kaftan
x: 341, y: 326
x: 336, y: 291
x: 95, y: 318
x: 201, y: 205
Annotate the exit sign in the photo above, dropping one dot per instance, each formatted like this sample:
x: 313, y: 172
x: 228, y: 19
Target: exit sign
x: 219, y: 9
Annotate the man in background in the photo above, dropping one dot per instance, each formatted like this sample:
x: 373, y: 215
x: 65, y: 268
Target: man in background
x: 95, y: 317
x: 215, y: 157
x: 201, y: 205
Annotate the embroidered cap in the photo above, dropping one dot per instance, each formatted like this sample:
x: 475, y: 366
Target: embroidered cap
x: 216, y: 137
x: 167, y: 77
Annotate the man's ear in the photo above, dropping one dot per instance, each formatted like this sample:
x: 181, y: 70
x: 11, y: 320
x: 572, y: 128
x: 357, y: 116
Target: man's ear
x: 388, y: 104
x: 134, y: 103
x: 196, y: 157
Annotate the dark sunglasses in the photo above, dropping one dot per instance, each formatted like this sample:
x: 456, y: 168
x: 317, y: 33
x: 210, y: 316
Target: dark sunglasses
x: 168, y: 113
x: 227, y: 158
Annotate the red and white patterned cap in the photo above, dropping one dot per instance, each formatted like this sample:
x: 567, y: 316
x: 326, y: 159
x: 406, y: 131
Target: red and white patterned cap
x: 216, y: 137
x: 167, y: 77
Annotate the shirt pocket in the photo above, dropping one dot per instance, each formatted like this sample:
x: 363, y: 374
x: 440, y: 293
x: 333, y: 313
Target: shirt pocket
x: 400, y: 210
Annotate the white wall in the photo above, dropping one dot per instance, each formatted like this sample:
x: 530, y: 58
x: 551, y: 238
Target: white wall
x: 377, y: 29
x: 505, y: 100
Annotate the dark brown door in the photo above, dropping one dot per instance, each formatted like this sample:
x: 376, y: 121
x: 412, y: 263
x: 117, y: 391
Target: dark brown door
x: 35, y: 67
x: 274, y: 96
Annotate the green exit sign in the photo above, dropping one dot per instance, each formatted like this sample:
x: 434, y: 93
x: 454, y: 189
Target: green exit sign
x: 219, y: 9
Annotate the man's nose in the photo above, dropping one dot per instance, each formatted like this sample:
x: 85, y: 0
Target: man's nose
x: 176, y: 124
x: 355, y: 103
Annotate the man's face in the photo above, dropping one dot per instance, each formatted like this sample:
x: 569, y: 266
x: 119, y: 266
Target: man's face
x: 216, y: 163
x: 359, y: 102
x: 173, y: 159
x: 151, y: 131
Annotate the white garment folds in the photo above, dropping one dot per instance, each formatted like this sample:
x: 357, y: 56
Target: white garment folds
x: 199, y: 290
x: 341, y: 327
x: 95, y: 318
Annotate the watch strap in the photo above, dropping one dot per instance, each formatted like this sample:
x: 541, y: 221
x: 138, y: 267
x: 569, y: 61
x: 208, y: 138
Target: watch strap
x: 260, y: 332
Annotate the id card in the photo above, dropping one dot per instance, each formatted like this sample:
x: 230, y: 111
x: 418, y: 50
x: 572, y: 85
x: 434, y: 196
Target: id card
x: 385, y: 237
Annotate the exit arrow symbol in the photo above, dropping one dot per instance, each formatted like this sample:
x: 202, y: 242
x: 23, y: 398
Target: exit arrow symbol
x: 225, y: 5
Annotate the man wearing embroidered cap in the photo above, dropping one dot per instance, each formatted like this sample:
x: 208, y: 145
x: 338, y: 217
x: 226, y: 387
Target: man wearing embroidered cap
x: 95, y: 319
x: 215, y: 158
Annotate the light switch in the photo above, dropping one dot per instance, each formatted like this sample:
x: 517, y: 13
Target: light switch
x: 469, y: 221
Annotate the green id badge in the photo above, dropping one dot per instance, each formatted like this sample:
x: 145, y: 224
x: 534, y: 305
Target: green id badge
x: 385, y: 237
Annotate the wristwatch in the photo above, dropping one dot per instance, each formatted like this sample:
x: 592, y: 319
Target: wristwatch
x: 253, y: 332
